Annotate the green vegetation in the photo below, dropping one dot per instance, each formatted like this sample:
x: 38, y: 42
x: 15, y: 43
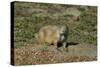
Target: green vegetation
x: 30, y: 17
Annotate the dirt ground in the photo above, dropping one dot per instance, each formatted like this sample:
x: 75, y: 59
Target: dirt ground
x: 40, y: 54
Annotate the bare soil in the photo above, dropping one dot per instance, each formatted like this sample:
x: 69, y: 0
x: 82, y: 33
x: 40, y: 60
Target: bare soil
x: 41, y: 54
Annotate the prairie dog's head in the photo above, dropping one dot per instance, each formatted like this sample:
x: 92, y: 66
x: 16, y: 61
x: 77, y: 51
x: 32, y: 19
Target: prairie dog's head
x: 63, y: 29
x: 63, y: 32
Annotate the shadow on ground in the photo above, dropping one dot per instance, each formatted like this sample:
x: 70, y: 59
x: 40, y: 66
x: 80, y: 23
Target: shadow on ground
x: 67, y: 44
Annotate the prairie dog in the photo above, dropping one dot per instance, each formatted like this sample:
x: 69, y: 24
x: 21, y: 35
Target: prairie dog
x: 52, y: 34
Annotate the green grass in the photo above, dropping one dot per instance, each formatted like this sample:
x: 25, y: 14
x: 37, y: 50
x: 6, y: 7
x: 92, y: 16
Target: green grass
x: 30, y: 17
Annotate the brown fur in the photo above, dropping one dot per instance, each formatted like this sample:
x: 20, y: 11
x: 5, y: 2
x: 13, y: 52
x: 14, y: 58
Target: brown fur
x: 47, y: 35
x: 51, y: 34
